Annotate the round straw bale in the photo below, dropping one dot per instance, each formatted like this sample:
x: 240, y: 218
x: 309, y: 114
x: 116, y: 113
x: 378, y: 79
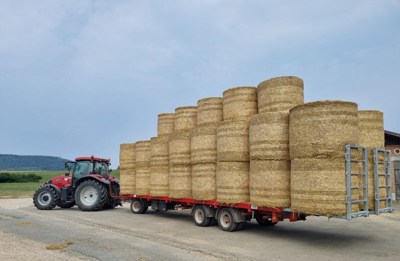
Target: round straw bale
x: 204, y: 185
x: 239, y: 103
x: 143, y: 153
x: 318, y: 186
x: 280, y: 94
x: 142, y: 180
x: 159, y: 151
x: 127, y: 157
x: 179, y: 149
x: 127, y: 180
x: 372, y: 135
x: 233, y: 182
x: 159, y: 185
x: 166, y: 124
x: 204, y: 144
x: 180, y: 181
x: 233, y: 141
x: 185, y: 118
x: 322, y: 129
x: 270, y: 183
x: 269, y: 136
x: 209, y: 110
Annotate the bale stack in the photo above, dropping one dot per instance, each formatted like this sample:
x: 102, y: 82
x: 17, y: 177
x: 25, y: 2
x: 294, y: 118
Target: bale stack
x: 269, y: 141
x: 143, y: 157
x: 372, y: 136
x: 127, y: 164
x: 180, y: 170
x: 319, y: 132
x: 204, y: 148
x: 233, y: 161
x: 165, y: 124
x: 159, y: 166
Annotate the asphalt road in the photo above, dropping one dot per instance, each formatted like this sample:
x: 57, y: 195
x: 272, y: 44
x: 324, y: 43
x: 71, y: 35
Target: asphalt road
x: 69, y: 234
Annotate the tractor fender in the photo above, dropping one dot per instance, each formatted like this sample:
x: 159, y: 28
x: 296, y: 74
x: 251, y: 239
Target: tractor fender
x: 99, y: 178
x: 210, y: 212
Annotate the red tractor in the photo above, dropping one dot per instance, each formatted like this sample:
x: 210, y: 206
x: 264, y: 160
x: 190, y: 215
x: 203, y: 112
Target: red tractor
x: 87, y: 183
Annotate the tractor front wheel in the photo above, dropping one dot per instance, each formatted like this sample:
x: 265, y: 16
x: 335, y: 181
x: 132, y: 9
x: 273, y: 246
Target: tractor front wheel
x: 91, y: 195
x: 45, y: 198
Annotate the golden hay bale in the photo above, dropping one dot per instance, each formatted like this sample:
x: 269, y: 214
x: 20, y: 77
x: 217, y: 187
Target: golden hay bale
x: 127, y: 180
x: 233, y: 182
x: 269, y: 136
x: 179, y: 149
x: 239, y: 103
x: 180, y: 181
x: 204, y: 185
x: 209, y: 110
x: 142, y: 180
x: 166, y: 124
x: 204, y: 144
x: 159, y: 150
x: 143, y: 153
x: 270, y: 183
x: 185, y: 118
x: 127, y: 157
x: 280, y: 94
x: 318, y: 186
x: 372, y: 135
x: 233, y: 141
x: 322, y: 129
x: 159, y: 185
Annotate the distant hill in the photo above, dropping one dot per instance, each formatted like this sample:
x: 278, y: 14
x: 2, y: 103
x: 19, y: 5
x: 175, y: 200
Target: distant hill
x: 16, y: 162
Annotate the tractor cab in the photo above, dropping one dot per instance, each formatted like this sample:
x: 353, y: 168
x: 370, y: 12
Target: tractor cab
x: 85, y: 166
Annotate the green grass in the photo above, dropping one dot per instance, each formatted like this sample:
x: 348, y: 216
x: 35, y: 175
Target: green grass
x: 24, y: 190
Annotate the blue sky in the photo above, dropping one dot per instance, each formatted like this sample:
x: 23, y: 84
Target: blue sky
x: 81, y: 77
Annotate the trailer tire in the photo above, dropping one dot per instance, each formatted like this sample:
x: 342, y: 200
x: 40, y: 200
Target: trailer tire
x: 200, y: 217
x: 139, y: 206
x: 226, y: 221
x: 240, y: 226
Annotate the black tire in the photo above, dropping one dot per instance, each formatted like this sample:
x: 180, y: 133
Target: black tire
x: 139, y: 206
x: 64, y: 204
x: 199, y: 216
x: 240, y: 226
x: 45, y: 198
x: 91, y: 195
x: 226, y: 221
x: 265, y: 222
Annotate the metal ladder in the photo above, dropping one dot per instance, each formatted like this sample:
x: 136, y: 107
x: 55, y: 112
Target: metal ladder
x: 387, y: 164
x: 362, y: 185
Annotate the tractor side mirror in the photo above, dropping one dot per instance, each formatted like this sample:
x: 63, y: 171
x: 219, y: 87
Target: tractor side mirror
x: 66, y: 174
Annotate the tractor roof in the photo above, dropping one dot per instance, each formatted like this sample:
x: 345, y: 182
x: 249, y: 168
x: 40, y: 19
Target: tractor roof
x: 92, y: 158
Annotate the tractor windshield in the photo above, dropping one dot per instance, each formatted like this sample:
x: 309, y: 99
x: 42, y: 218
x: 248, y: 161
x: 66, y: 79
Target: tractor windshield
x: 101, y: 168
x: 83, y: 168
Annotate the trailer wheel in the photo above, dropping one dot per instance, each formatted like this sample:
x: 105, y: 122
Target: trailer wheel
x: 139, y: 206
x: 200, y: 218
x: 226, y: 221
x: 240, y: 226
x: 265, y: 222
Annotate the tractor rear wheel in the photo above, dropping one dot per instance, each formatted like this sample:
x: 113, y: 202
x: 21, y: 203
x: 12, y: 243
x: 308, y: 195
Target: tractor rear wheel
x: 65, y: 204
x: 91, y: 195
x: 45, y: 198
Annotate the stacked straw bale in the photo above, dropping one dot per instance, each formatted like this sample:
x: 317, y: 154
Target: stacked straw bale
x: 143, y: 157
x: 239, y: 103
x: 233, y: 160
x: 166, y: 124
x: 127, y: 165
x: 280, y: 94
x: 209, y: 110
x: 180, y: 174
x: 159, y: 166
x: 318, y: 134
x: 372, y: 135
x: 185, y: 118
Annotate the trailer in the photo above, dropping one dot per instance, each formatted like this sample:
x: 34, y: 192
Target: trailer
x: 229, y: 217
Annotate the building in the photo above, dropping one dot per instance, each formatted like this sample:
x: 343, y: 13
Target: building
x: 392, y: 143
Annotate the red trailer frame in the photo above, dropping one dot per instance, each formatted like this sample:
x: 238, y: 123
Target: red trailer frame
x: 230, y: 217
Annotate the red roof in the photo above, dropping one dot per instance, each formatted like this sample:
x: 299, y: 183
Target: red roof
x: 92, y: 158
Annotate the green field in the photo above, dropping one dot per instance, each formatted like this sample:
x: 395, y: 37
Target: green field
x: 23, y: 190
